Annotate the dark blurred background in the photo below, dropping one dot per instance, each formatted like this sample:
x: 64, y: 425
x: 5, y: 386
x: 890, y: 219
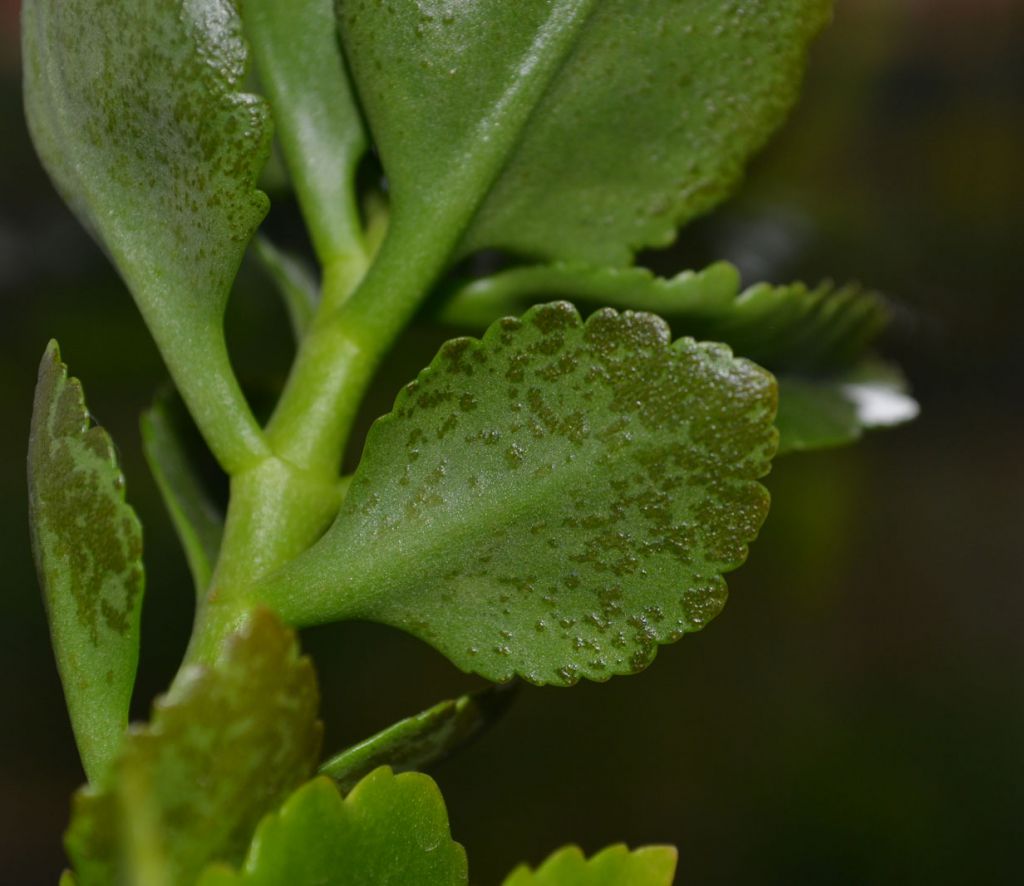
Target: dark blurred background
x: 857, y: 713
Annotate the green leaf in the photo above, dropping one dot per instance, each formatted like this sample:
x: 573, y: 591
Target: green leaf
x: 300, y: 64
x: 416, y: 742
x: 293, y: 280
x: 614, y: 866
x: 816, y: 340
x: 816, y: 413
x: 197, y: 521
x: 391, y: 829
x: 554, y: 501
x: 225, y: 746
x: 138, y: 113
x: 574, y: 129
x: 88, y: 549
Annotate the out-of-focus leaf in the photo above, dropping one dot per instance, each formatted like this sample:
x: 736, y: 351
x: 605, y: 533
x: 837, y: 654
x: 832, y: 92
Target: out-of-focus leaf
x: 294, y: 281
x: 139, y: 114
x: 197, y: 521
x: 614, y: 866
x: 88, y: 549
x: 832, y: 411
x: 416, y: 742
x: 225, y: 746
x: 554, y: 501
x: 573, y: 129
x: 816, y: 340
x: 391, y: 829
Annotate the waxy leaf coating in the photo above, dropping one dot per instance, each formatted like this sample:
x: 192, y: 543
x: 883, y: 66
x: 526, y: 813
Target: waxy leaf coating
x: 418, y: 741
x: 614, y: 866
x: 391, y: 829
x: 553, y: 501
x: 88, y: 549
x: 816, y: 341
x: 573, y: 129
x: 139, y: 114
x: 225, y: 746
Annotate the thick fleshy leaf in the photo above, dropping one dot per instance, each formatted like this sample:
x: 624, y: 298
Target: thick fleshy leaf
x: 225, y: 746
x: 88, y: 549
x: 816, y: 341
x: 574, y: 129
x: 295, y: 45
x: 197, y: 520
x: 139, y: 114
x: 416, y: 742
x: 553, y: 501
x: 391, y: 829
x: 614, y: 866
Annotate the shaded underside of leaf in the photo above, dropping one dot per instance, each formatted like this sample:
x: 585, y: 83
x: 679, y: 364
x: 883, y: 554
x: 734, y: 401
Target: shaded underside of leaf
x: 224, y: 747
x: 197, y: 521
x: 88, y: 549
x: 391, y: 829
x: 817, y: 340
x: 573, y: 129
x: 418, y: 741
x: 139, y: 114
x: 614, y: 866
x: 553, y: 501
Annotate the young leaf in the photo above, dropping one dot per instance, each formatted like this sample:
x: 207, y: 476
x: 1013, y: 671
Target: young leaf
x: 573, y: 129
x: 614, y: 866
x: 816, y: 340
x: 88, y: 549
x: 299, y: 61
x: 138, y: 112
x: 391, y: 829
x: 554, y: 501
x: 416, y: 742
x: 198, y: 522
x: 294, y: 282
x: 225, y: 746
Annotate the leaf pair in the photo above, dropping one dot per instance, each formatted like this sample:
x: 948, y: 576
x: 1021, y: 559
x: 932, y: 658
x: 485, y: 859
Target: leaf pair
x: 394, y: 830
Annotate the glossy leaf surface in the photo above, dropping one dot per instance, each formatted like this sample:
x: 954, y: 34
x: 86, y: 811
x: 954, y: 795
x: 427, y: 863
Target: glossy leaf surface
x: 614, y: 866
x: 391, y: 829
x: 197, y: 521
x: 418, y: 741
x: 554, y: 501
x: 576, y: 129
x: 816, y: 340
x: 88, y: 549
x: 139, y: 114
x: 224, y: 747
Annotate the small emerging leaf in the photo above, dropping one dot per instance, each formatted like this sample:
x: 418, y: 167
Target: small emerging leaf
x: 614, y: 866
x: 139, y: 114
x: 391, y: 829
x: 553, y: 501
x: 88, y: 549
x: 225, y: 746
x: 416, y: 742
x: 816, y: 341
x: 198, y: 522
